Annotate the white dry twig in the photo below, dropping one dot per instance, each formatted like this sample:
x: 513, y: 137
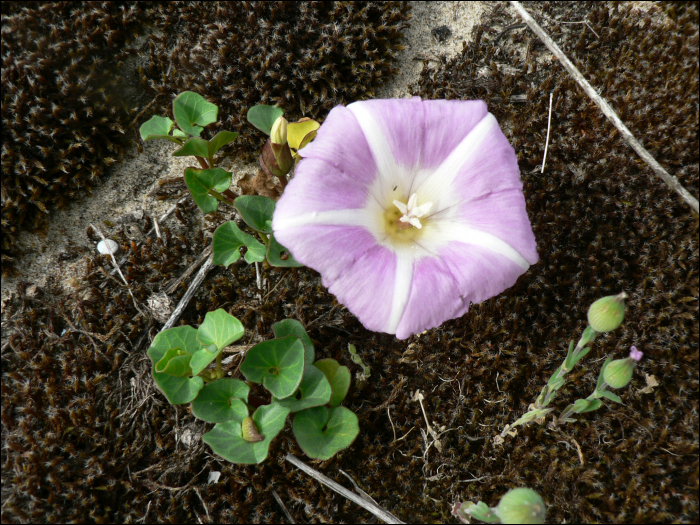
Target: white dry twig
x: 669, y: 179
x: 191, y: 290
x: 549, y: 125
x: 374, y: 509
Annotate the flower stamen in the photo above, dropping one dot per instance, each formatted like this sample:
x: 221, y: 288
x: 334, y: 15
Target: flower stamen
x: 411, y: 212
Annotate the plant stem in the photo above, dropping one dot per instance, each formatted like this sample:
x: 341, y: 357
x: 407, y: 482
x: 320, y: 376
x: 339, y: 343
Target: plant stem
x: 218, y: 196
x: 202, y: 162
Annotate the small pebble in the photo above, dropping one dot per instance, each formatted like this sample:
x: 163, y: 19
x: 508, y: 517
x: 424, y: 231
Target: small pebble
x: 107, y: 246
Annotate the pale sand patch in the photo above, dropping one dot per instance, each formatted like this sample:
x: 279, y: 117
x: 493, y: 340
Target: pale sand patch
x: 126, y: 188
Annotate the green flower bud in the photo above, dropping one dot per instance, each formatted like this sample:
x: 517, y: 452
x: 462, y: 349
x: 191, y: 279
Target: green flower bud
x: 607, y: 313
x: 618, y: 373
x: 521, y: 505
x: 278, y: 133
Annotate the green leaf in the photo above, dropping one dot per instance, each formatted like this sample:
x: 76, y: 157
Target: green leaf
x: 219, y: 328
x: 293, y: 327
x: 227, y: 441
x: 580, y: 355
x: 569, y: 355
x: 593, y: 404
x: 158, y: 128
x: 314, y: 390
x: 601, y: 379
x: 339, y: 378
x: 256, y: 210
x: 228, y: 238
x: 611, y: 396
x: 256, y: 252
x: 322, y: 432
x: 552, y: 379
x: 199, y: 182
x: 179, y: 133
x: 278, y: 255
x: 192, y: 112
x: 277, y: 364
x: 220, y: 140
x: 194, y: 146
x: 178, y: 390
x: 201, y: 359
x: 175, y: 362
x: 222, y: 400
x: 263, y: 117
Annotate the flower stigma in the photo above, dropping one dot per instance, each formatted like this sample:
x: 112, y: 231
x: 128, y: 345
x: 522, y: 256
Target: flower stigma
x: 403, y: 219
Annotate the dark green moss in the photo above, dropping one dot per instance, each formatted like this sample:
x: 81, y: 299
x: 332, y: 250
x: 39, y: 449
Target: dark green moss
x: 604, y: 224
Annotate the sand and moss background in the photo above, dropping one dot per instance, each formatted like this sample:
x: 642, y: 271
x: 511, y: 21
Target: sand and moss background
x: 87, y: 437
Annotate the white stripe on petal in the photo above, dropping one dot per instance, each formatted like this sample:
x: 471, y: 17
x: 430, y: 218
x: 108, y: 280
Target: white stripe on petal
x: 402, y: 287
x: 387, y: 170
x: 439, y: 182
x: 447, y: 232
x: 356, y: 217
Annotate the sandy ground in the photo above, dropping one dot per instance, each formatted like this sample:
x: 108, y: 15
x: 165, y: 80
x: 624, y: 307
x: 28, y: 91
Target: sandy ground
x: 126, y: 188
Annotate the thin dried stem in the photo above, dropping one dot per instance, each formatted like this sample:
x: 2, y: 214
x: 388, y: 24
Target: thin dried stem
x: 669, y: 179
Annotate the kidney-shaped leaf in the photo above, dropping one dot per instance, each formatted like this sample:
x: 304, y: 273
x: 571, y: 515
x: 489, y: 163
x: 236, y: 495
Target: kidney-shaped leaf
x: 314, y: 390
x: 322, y: 432
x: 294, y: 327
x: 263, y: 117
x: 278, y: 255
x: 178, y: 390
x: 277, y: 364
x: 194, y: 146
x: 226, y: 439
x: 228, y: 238
x: 220, y: 140
x: 256, y: 211
x: 158, y: 128
x: 192, y: 112
x: 339, y: 378
x: 221, y: 401
x: 219, y: 328
x: 199, y: 182
x: 175, y: 362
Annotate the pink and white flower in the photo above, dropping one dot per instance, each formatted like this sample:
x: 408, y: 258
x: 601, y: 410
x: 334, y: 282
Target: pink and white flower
x: 410, y: 210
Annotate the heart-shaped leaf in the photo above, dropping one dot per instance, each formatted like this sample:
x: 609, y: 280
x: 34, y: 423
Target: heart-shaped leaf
x: 175, y: 362
x: 256, y: 211
x: 221, y: 401
x: 293, y: 327
x: 219, y: 328
x: 228, y: 238
x: 178, y: 390
x: 338, y: 377
x: 199, y: 182
x: 322, y: 432
x: 314, y: 390
x: 158, y: 128
x: 220, y: 140
x: 277, y: 364
x: 278, y: 255
x: 192, y: 112
x: 263, y: 117
x: 226, y: 439
x: 194, y: 146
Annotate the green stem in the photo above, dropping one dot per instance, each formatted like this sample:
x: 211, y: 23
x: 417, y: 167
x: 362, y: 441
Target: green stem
x: 218, y: 196
x: 202, y: 162
x: 219, y: 370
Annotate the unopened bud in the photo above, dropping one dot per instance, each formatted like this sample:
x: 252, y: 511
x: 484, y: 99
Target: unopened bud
x: 278, y: 133
x: 521, y: 505
x: 606, y: 314
x: 618, y: 373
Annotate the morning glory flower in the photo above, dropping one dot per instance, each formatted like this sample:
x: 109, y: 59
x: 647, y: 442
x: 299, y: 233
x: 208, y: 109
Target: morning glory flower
x: 410, y: 210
